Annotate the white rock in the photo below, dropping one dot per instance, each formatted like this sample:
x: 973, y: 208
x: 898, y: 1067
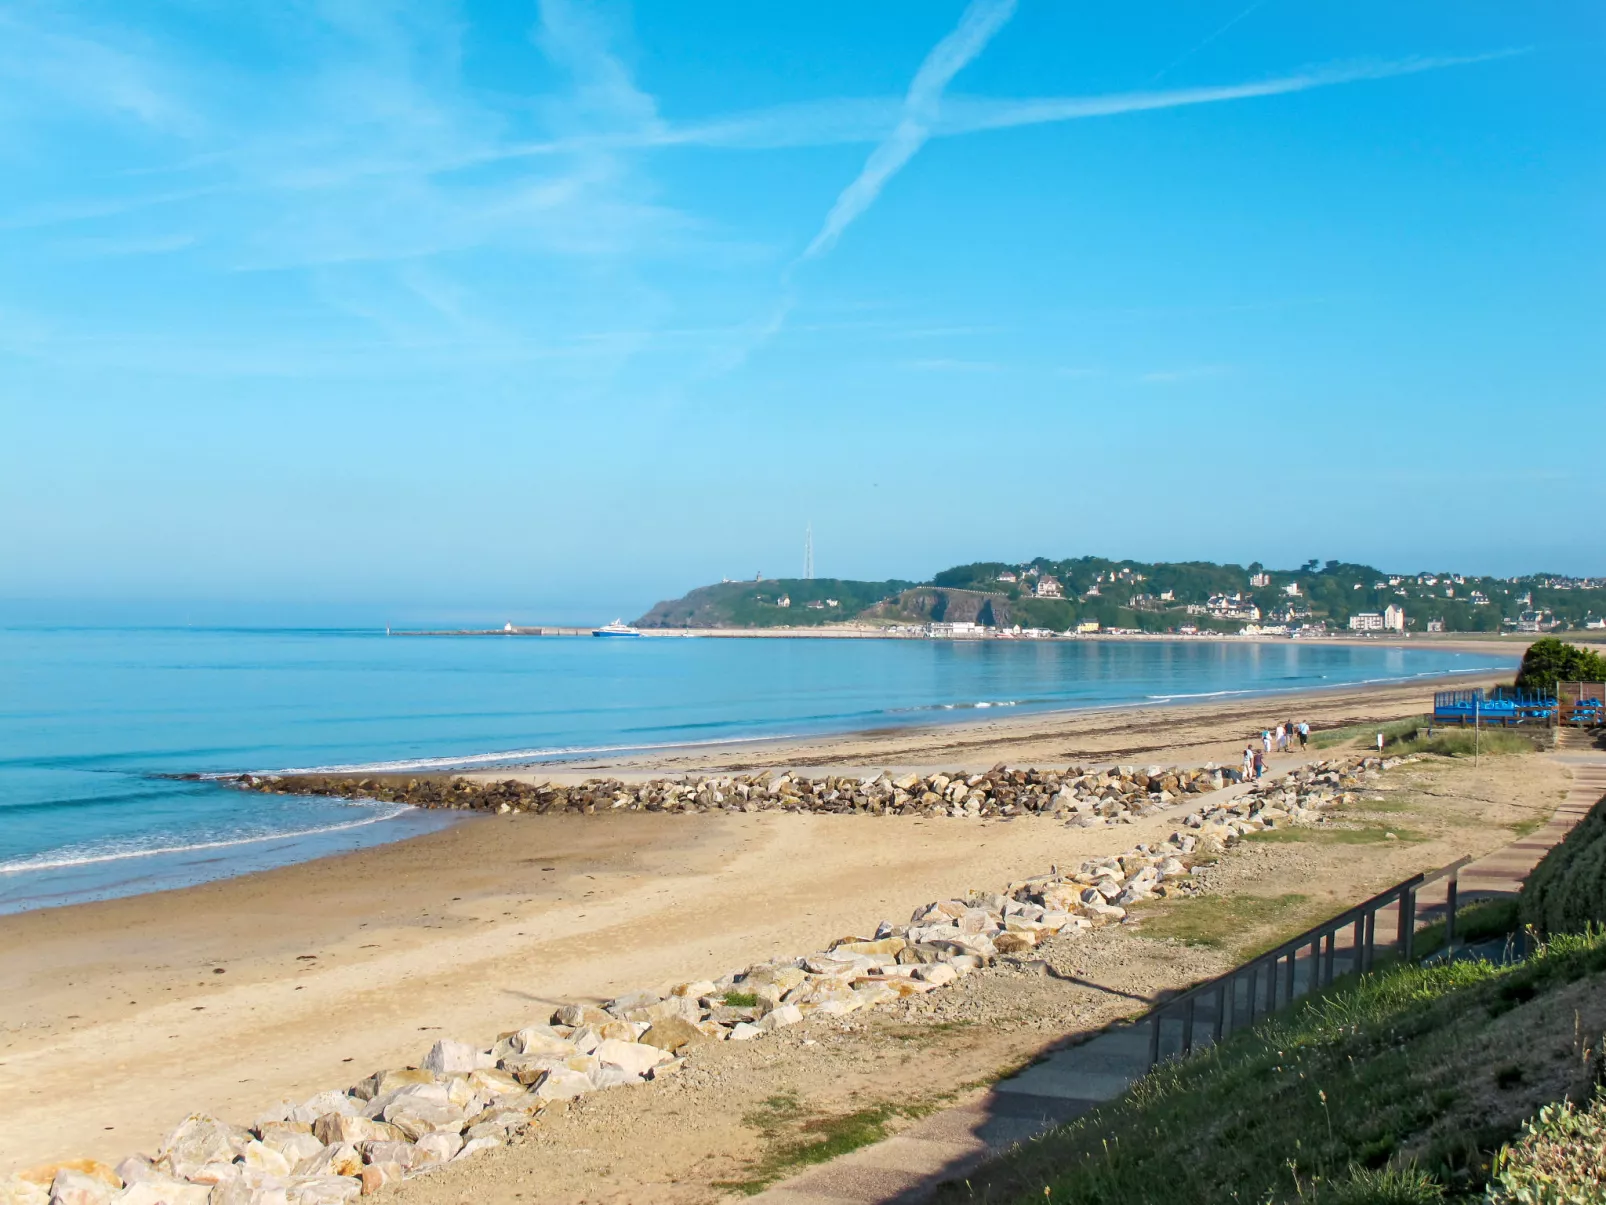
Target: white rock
x: 936, y: 973
x: 438, y: 1147
x: 163, y: 1191
x: 743, y: 1032
x: 475, y: 1145
x: 631, y: 1056
x: 613, y: 1077
x: 447, y: 1057
x: 786, y: 1014
x: 75, y: 1188
x: 562, y: 1083
x: 262, y: 1158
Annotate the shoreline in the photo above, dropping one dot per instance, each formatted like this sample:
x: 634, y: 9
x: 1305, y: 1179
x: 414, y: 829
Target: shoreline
x: 928, y: 744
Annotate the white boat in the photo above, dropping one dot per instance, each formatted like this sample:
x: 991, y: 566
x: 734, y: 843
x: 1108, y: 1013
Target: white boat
x: 617, y: 628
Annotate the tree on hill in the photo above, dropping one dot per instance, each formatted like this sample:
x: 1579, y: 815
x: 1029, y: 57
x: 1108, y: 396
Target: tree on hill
x: 1550, y: 660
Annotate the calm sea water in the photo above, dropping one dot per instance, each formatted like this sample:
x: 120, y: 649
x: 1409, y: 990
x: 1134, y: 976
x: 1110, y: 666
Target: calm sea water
x: 91, y: 719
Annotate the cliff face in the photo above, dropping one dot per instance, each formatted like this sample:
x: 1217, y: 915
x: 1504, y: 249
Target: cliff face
x: 937, y: 604
x: 783, y: 602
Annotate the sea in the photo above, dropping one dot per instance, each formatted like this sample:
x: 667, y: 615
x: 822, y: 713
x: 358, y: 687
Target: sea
x: 96, y: 724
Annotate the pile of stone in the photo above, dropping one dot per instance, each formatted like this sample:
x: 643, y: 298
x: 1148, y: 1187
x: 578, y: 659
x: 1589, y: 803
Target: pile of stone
x: 1115, y: 793
x: 462, y: 1099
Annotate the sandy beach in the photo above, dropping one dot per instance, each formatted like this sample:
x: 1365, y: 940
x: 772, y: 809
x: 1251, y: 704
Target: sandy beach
x: 120, y: 1017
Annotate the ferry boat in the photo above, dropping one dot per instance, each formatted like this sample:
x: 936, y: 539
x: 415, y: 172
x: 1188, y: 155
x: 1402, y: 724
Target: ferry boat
x: 617, y: 628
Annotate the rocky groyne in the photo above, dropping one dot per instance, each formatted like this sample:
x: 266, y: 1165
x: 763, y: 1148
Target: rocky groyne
x: 462, y: 1098
x: 1088, y: 796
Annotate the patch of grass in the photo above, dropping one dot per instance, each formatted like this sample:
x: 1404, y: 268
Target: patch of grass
x: 1464, y: 742
x: 1474, y: 922
x: 1317, y: 1105
x: 798, y: 1138
x: 1393, y: 730
x: 1337, y: 834
x: 740, y: 999
x: 1222, y: 920
x: 1526, y: 828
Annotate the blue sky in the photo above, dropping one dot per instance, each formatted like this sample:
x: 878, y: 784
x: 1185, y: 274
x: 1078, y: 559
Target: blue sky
x: 556, y: 309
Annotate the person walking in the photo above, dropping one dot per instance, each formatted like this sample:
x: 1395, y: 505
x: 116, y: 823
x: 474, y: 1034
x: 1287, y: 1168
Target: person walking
x: 1380, y: 744
x: 1265, y: 740
x: 1304, y: 734
x: 1260, y: 764
x: 1249, y: 763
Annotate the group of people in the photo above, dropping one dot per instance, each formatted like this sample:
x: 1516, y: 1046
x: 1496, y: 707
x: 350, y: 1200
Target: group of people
x: 1280, y: 739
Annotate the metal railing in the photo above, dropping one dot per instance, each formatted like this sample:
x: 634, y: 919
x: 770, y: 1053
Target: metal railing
x: 1219, y: 998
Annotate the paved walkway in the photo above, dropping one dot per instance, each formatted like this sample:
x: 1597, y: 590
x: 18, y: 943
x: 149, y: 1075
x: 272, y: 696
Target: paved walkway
x: 946, y: 1146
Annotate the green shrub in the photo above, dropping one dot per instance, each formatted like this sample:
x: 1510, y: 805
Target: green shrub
x: 1566, y: 892
x: 1550, y: 660
x: 740, y: 999
x: 1559, y: 1160
x: 1386, y: 1186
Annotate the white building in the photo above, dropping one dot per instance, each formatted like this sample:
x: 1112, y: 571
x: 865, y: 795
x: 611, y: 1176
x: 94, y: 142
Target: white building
x: 1291, y: 589
x: 1366, y: 621
x: 1435, y: 625
x: 1393, y: 618
x: 1007, y: 576
x: 1260, y: 580
x: 1048, y: 587
x: 956, y: 631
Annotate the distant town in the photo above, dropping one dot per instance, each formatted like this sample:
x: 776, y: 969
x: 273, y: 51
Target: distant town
x: 1046, y: 598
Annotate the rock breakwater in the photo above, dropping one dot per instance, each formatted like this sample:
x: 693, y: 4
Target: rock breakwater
x: 463, y: 1098
x: 1105, y: 795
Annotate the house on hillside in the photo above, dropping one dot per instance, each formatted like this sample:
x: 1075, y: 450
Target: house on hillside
x: 1008, y: 575
x: 1048, y: 587
x: 1393, y: 618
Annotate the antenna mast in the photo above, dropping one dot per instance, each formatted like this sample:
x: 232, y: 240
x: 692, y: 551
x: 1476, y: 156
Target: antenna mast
x: 808, y: 553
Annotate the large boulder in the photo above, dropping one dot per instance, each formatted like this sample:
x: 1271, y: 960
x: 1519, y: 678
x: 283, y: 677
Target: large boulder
x: 674, y: 1034
x: 562, y: 1083
x: 200, y: 1141
x: 631, y: 1056
x: 447, y: 1057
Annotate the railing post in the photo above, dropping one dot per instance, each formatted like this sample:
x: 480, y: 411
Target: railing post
x: 1450, y: 894
x: 1358, y: 962
x: 1223, y: 994
x: 1154, y: 1038
x: 1407, y: 923
x: 1254, y: 983
x: 1288, y: 981
x: 1369, y: 955
x: 1187, y: 1027
x: 1271, y: 986
x: 1332, y: 953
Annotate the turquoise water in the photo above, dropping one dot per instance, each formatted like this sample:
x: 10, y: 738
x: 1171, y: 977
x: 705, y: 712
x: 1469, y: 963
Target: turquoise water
x: 91, y: 719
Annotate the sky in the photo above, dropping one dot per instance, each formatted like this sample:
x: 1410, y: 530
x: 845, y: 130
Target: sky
x: 556, y: 309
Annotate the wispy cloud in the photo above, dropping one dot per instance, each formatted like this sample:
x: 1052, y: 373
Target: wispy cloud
x: 981, y: 20
x: 74, y: 67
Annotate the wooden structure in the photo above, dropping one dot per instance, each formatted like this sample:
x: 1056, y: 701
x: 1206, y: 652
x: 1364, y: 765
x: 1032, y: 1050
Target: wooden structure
x: 1581, y: 704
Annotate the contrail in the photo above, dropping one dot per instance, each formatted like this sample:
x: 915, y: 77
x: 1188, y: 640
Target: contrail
x: 976, y: 28
x: 1197, y: 47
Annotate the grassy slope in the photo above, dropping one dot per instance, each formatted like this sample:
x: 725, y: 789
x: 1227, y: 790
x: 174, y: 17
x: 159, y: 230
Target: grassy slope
x: 1418, y: 1072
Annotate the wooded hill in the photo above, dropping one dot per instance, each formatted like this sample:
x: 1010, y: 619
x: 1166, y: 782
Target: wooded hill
x: 1147, y: 596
